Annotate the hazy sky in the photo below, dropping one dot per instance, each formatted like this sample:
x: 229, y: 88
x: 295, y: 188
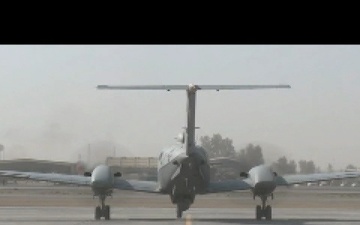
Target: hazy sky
x: 50, y: 108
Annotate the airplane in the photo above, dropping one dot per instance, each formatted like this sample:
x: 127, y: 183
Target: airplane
x: 183, y: 170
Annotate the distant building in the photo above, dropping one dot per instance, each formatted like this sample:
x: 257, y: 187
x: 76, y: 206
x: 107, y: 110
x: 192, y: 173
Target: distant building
x: 134, y: 167
x: 224, y: 168
x: 132, y: 162
x: 41, y: 166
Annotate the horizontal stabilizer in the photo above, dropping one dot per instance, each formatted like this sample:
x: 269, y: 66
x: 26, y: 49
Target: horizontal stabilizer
x: 185, y: 87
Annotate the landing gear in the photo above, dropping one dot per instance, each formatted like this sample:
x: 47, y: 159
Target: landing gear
x: 183, y: 195
x: 103, y: 210
x: 268, y: 213
x: 107, y: 212
x: 258, y: 212
x: 178, y: 211
x: 263, y: 210
x: 97, y: 213
x: 181, y: 207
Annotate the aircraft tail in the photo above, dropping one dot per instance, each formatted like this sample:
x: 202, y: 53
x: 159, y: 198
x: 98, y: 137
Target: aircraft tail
x: 191, y: 97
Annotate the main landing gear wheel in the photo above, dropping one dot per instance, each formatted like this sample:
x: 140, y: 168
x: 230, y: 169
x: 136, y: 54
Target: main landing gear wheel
x: 102, y: 210
x: 268, y: 212
x: 258, y: 212
x: 97, y: 213
x: 107, y: 212
x: 263, y: 210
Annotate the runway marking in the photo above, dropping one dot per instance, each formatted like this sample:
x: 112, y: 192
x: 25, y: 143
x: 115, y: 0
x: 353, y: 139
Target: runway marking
x: 188, y: 219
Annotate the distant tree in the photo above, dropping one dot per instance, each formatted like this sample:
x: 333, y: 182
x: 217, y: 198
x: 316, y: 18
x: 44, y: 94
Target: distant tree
x: 351, y: 167
x: 216, y: 146
x: 307, y: 167
x: 330, y: 168
x: 205, y: 142
x: 282, y: 166
x: 250, y: 156
x: 292, y: 167
x: 302, y: 166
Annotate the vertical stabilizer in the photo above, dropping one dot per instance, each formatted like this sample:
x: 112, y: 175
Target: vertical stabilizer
x: 190, y: 125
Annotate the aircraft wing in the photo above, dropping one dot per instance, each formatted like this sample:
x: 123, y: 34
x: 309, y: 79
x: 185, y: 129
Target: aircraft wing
x: 152, y: 186
x: 137, y: 185
x: 229, y: 185
x: 304, y: 178
x: 51, y: 177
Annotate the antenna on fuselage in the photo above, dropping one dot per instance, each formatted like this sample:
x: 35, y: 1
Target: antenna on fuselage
x: 189, y: 134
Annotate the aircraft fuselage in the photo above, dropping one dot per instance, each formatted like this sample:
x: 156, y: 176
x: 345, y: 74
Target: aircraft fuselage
x: 184, y: 171
x: 102, y: 180
x: 263, y: 179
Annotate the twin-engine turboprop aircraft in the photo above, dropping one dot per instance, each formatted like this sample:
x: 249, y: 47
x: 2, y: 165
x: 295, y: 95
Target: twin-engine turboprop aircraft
x: 183, y: 170
x: 261, y: 180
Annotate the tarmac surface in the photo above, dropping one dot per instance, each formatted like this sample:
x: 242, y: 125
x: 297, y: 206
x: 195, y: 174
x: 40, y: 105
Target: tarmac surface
x: 40, y: 205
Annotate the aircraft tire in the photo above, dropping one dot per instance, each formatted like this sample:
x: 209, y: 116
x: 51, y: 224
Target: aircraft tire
x: 258, y: 212
x: 268, y: 213
x: 107, y: 212
x: 97, y: 213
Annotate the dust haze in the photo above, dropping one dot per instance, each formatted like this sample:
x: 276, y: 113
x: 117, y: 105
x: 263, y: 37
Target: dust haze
x: 50, y: 108
x: 54, y: 143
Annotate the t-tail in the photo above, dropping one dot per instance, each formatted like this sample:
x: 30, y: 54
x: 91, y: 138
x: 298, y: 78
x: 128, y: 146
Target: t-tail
x: 189, y: 135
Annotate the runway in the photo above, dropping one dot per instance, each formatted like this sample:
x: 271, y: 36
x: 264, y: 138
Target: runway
x: 26, y: 205
x: 149, y: 216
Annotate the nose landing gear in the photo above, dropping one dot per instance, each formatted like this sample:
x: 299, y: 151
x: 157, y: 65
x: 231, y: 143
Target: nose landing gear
x: 264, y: 210
x: 103, y: 210
x: 182, y: 206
